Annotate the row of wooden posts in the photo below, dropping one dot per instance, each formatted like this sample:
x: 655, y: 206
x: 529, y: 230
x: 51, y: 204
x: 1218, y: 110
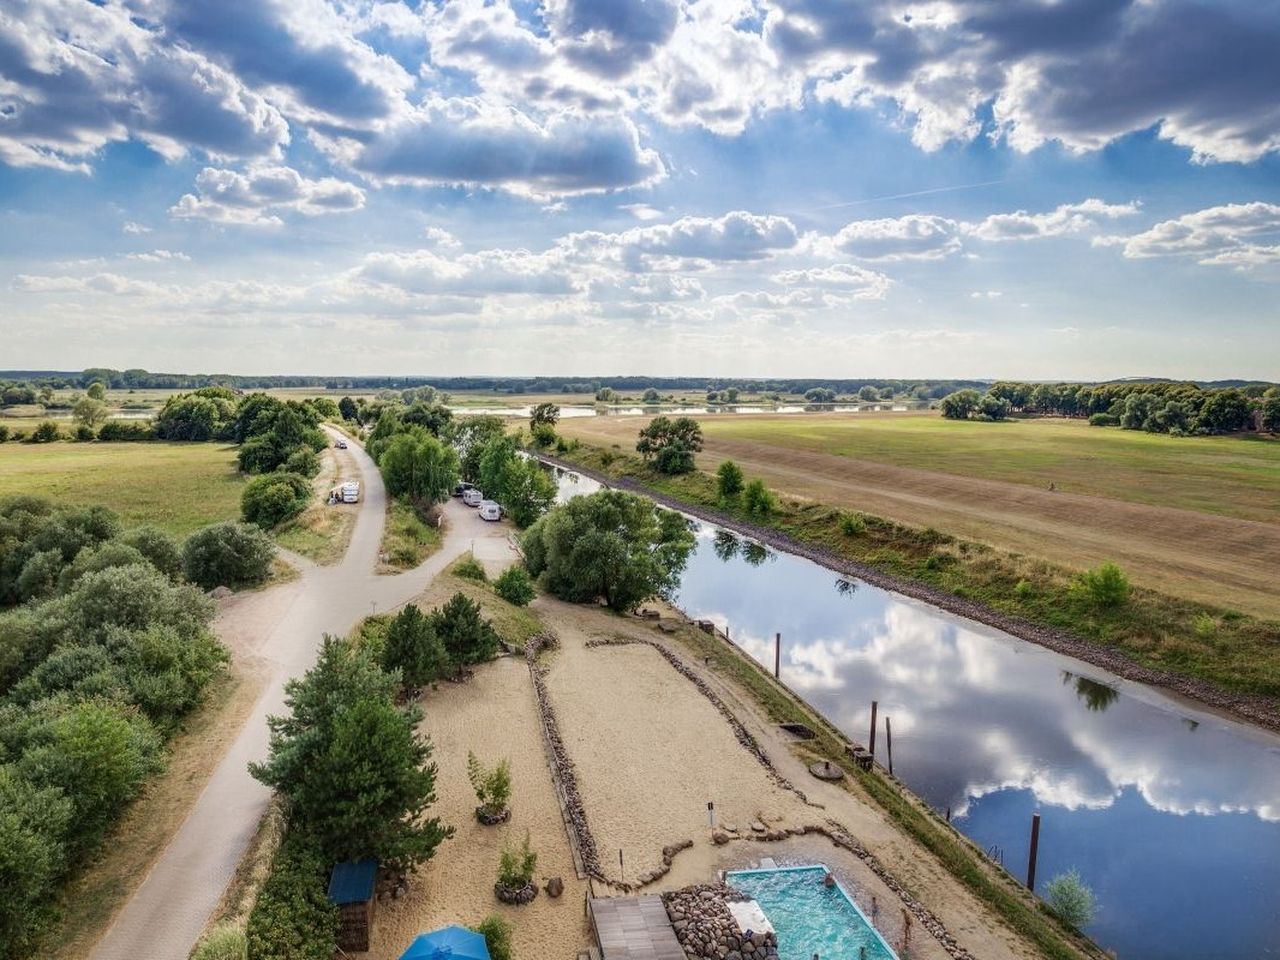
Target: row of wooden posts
x: 888, y: 738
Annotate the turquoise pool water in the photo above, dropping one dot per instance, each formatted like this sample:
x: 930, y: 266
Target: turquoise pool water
x: 809, y: 917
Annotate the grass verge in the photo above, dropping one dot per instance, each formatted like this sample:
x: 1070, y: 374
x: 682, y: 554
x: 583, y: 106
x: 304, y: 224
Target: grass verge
x: 408, y: 538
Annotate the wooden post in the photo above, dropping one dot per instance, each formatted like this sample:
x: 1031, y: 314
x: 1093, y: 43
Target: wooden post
x: 777, y: 655
x: 875, y: 706
x: 888, y: 743
x: 1035, y: 847
x: 621, y: 870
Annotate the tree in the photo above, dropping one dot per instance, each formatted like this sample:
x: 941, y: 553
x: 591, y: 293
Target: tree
x: 417, y: 465
x: 959, y: 405
x: 544, y: 414
x: 820, y: 395
x: 492, y: 787
x: 90, y: 412
x: 757, y: 499
x: 1271, y: 414
x: 46, y: 432
x: 651, y: 396
x: 1071, y: 899
x: 413, y: 648
x: 516, y: 867
x: 671, y: 443
x: 729, y: 481
x: 610, y: 545
x: 515, y: 586
x: 1106, y: 585
x: 518, y: 483
x: 33, y: 821
x: 868, y: 393
x: 273, y: 498
x: 467, y: 636
x: 991, y: 407
x: 471, y: 437
x: 228, y: 555
x: 1224, y: 411
x: 158, y: 548
x: 97, y: 390
x: 348, y: 409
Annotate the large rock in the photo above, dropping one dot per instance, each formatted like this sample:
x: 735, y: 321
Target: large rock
x: 554, y: 887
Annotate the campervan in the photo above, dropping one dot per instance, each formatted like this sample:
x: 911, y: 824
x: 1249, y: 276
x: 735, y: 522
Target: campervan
x: 490, y: 510
x: 350, y: 491
x: 472, y: 497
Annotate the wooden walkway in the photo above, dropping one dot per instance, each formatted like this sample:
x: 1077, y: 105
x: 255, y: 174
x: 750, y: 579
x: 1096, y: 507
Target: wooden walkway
x: 634, y: 928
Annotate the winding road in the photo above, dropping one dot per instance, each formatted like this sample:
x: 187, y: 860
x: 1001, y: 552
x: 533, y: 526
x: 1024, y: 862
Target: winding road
x: 167, y: 913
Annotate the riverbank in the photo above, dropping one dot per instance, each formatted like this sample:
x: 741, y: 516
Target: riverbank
x: 981, y: 584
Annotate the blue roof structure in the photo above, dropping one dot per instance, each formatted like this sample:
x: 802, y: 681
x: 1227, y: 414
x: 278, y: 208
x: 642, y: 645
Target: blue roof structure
x: 448, y: 943
x: 352, y: 882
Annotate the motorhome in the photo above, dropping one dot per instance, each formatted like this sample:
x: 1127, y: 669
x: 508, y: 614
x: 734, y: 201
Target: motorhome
x: 462, y: 488
x: 351, y: 491
x: 472, y: 497
x: 490, y: 510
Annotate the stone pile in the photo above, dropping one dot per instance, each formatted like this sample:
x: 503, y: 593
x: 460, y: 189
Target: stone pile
x: 707, y: 930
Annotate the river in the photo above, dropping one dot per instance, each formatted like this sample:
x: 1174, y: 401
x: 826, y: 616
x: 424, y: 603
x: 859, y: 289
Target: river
x: 1169, y: 812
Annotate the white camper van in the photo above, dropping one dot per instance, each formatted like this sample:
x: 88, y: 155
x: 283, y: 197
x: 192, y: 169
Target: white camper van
x: 472, y: 497
x: 351, y: 491
x: 490, y: 510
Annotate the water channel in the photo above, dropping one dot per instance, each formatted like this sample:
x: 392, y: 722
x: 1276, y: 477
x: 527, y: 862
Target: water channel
x: 1169, y: 812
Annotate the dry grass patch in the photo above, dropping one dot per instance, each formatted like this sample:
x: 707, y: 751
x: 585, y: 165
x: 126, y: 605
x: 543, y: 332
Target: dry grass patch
x: 409, y: 537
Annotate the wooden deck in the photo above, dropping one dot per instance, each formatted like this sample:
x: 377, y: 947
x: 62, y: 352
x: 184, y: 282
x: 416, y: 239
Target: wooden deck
x: 634, y: 928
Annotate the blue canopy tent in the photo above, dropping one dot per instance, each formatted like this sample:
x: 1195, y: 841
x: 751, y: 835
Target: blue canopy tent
x: 449, y: 943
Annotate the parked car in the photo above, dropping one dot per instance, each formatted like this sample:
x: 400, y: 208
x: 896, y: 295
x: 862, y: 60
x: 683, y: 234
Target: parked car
x: 490, y: 510
x: 472, y: 497
x: 462, y: 488
x: 341, y: 444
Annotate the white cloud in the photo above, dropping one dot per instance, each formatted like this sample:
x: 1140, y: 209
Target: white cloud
x: 858, y: 282
x: 133, y: 228
x: 688, y: 243
x: 1065, y: 219
x: 159, y: 256
x: 1238, y: 235
x: 257, y: 196
x: 913, y: 237
x: 437, y: 238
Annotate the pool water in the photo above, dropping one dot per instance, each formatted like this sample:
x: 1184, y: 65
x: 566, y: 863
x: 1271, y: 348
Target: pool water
x: 810, y: 918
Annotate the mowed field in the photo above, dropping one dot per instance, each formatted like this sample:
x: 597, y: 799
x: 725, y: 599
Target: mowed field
x: 1196, y: 517
x: 178, y: 487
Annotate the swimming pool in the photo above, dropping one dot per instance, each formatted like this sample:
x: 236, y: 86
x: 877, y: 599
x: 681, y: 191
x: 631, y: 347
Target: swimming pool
x: 809, y: 917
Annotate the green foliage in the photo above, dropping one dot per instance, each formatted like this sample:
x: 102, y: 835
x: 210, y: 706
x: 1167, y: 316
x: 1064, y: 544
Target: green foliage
x: 467, y: 636
x: 292, y: 918
x: 611, y: 545
x: 118, y: 431
x: 758, y: 500
x: 825, y: 395
x: 544, y: 414
x: 37, y: 540
x: 1271, y: 414
x: 228, y: 554
x: 471, y: 437
x: 492, y: 787
x: 303, y: 461
x: 516, y: 866
x: 515, y: 586
x: 273, y: 498
x: 1071, y: 899
x: 224, y: 942
x: 46, y: 432
x: 90, y: 413
x: 1106, y: 585
x: 470, y: 568
x: 417, y: 465
x: 518, y: 483
x: 671, y: 444
x: 960, y: 405
x: 348, y: 410
x: 193, y: 416
x: 112, y: 553
x: 852, y: 524
x: 497, y: 937
x: 729, y: 481
x: 412, y: 647
x: 1104, y: 420
x: 159, y: 549
x: 543, y: 435
x: 33, y: 823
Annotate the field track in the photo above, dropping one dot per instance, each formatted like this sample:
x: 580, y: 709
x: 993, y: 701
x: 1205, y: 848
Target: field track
x: 1214, y: 559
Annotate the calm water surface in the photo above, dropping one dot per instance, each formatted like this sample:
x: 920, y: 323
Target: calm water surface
x: 1170, y: 813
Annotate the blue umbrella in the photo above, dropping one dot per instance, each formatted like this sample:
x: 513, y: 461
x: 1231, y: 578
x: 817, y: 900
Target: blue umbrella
x: 449, y: 943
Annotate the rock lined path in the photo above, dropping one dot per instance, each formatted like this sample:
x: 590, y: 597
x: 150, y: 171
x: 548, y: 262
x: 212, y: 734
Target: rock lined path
x: 282, y: 628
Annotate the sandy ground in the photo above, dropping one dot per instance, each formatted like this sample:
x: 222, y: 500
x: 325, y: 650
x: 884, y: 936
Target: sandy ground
x: 1214, y: 559
x: 650, y: 750
x: 495, y: 716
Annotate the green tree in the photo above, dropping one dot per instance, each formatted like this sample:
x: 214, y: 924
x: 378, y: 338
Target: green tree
x: 610, y: 545
x: 518, y: 483
x: 418, y: 466
x: 651, y: 396
x: 544, y: 414
x: 467, y: 636
x: 516, y: 867
x: 991, y: 407
x: 159, y: 549
x: 471, y: 437
x: 90, y: 412
x: 273, y: 498
x: 515, y: 586
x: 497, y: 937
x: 348, y: 409
x: 671, y: 444
x: 1271, y: 414
x: 729, y: 481
x: 757, y: 499
x: 868, y: 393
x: 97, y: 390
x: 1071, y: 899
x: 959, y: 405
x: 413, y: 648
x: 228, y: 555
x: 33, y: 821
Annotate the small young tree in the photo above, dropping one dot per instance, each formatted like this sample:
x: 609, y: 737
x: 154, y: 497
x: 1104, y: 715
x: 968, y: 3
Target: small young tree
x: 729, y: 481
x: 515, y: 586
x: 1071, y: 899
x: 1106, y: 585
x: 492, y: 787
x: 757, y: 500
x: 515, y: 873
x: 467, y: 636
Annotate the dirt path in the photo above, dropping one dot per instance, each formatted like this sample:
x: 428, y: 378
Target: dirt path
x: 281, y: 627
x: 1214, y: 559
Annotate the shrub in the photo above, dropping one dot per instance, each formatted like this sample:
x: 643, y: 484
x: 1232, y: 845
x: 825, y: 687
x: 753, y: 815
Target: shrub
x: 117, y: 431
x: 303, y: 461
x: 84, y: 433
x: 497, y: 937
x: 729, y: 480
x: 32, y: 823
x: 757, y: 499
x: 543, y: 435
x: 102, y: 557
x: 224, y: 942
x: 4, y: 433
x: 1071, y: 899
x: 1206, y: 627
x: 515, y: 586
x: 852, y: 524
x: 1106, y: 585
x: 1024, y: 590
x: 492, y: 787
x: 46, y: 432
x: 470, y: 568
x: 292, y: 918
x: 271, y: 499
x: 516, y: 867
x: 1104, y: 420
x: 413, y: 647
x: 228, y: 555
x: 159, y: 549
x: 466, y: 635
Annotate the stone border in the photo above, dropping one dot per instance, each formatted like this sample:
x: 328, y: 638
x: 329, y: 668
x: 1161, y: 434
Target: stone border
x: 1249, y: 708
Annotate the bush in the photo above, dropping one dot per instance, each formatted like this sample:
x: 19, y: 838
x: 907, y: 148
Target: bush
x: 159, y: 549
x: 852, y: 524
x: 118, y: 431
x: 543, y: 435
x: 1106, y: 585
x: 757, y: 500
x: 293, y: 918
x: 84, y: 433
x: 303, y: 461
x: 515, y: 586
x: 273, y: 498
x: 1071, y: 899
x: 228, y: 555
x: 470, y: 568
x: 32, y: 823
x: 4, y: 433
x: 497, y: 937
x: 729, y: 481
x: 492, y: 787
x: 46, y: 432
x: 1104, y: 420
x: 224, y: 942
x: 516, y: 867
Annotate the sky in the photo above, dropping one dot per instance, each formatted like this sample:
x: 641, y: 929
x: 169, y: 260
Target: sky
x: 1044, y: 189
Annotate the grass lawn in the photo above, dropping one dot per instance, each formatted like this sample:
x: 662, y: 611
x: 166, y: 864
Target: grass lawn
x: 178, y: 487
x: 1225, y: 475
x: 408, y: 539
